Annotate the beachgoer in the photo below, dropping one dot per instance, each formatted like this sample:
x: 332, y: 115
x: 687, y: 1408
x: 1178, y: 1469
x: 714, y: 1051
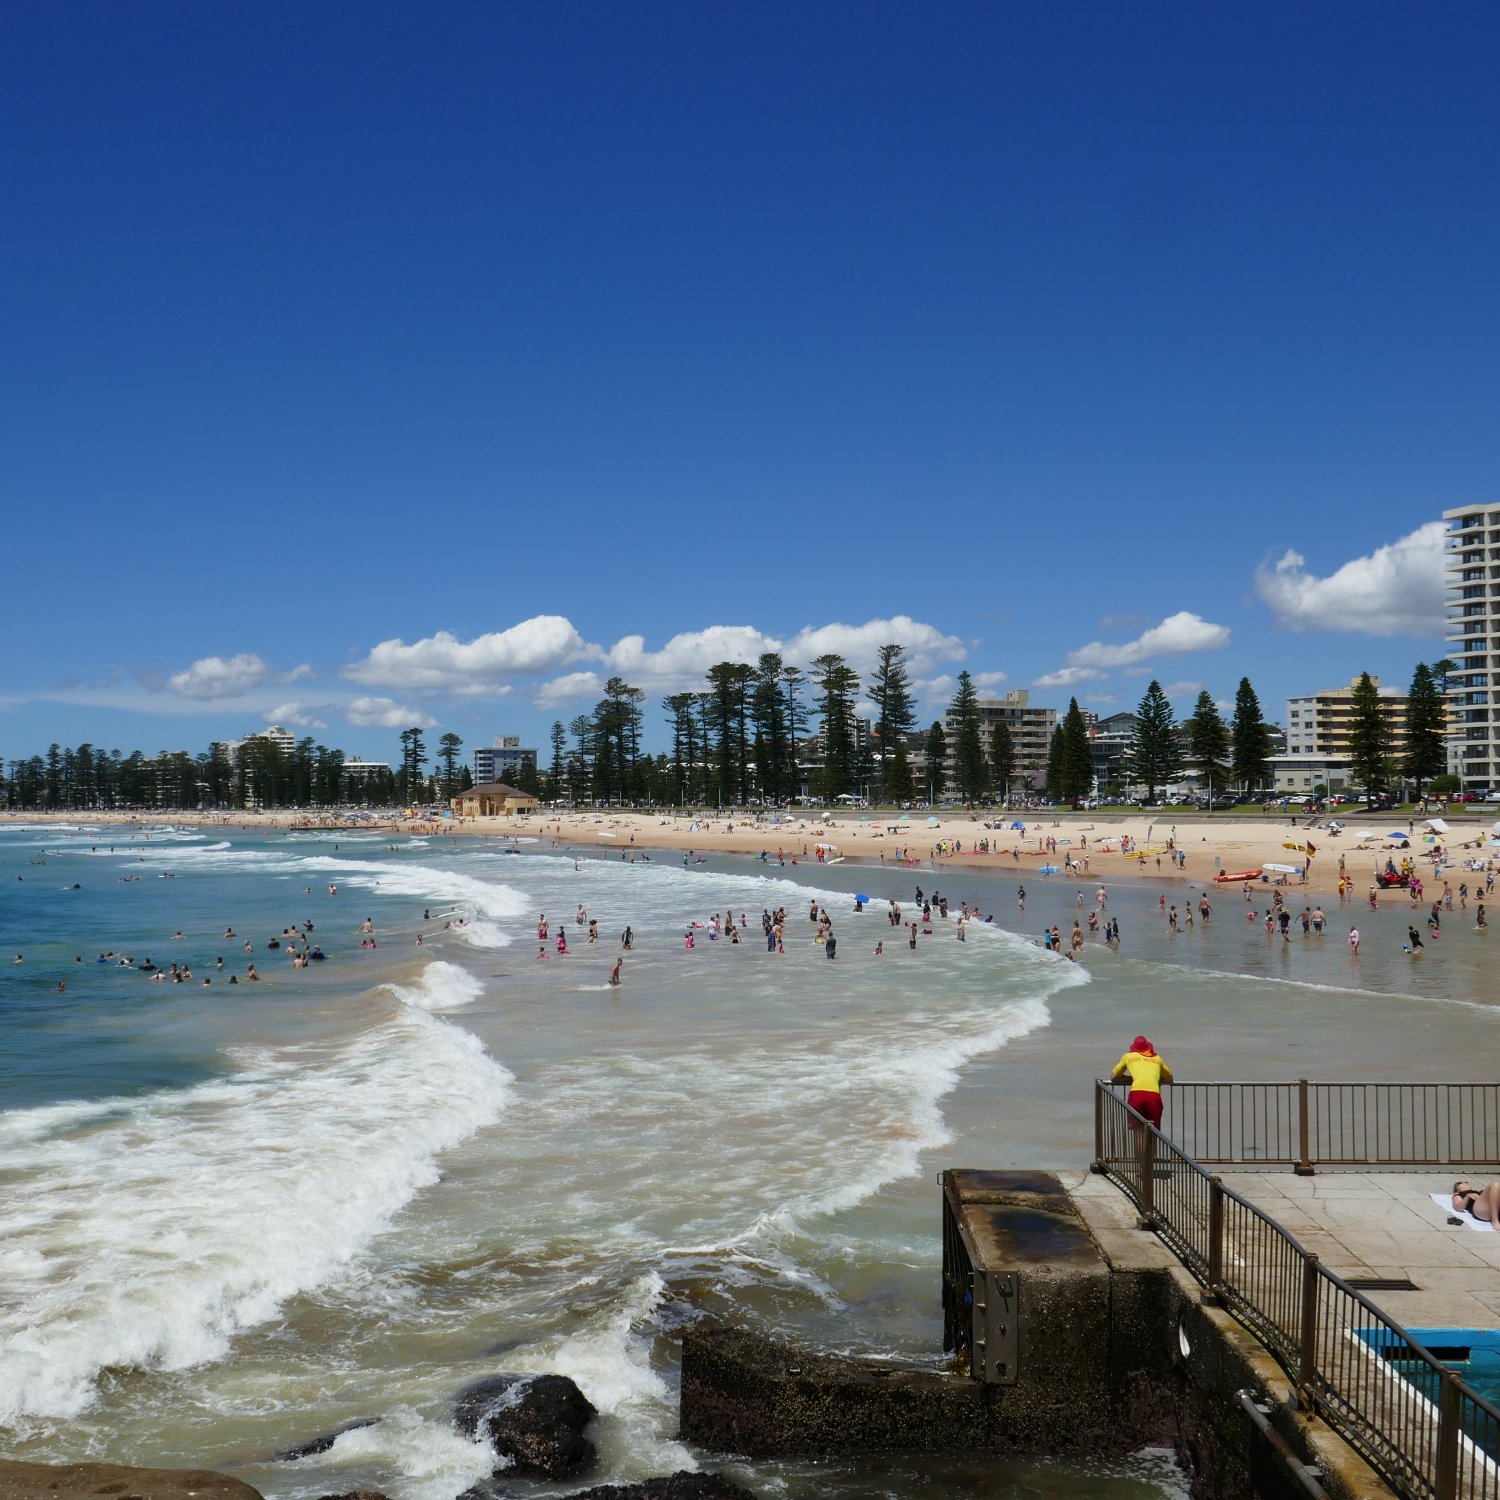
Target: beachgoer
x: 1479, y: 1203
x: 1354, y: 941
x: 614, y: 973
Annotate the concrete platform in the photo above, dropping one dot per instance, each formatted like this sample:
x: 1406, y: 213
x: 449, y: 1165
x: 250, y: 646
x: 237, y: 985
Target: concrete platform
x: 1359, y: 1224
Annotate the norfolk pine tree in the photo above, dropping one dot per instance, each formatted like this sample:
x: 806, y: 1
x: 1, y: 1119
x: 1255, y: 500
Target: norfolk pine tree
x: 1155, y: 754
x: 1250, y: 762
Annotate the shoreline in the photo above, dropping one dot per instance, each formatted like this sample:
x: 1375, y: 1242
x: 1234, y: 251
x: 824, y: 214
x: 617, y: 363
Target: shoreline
x: 1189, y: 848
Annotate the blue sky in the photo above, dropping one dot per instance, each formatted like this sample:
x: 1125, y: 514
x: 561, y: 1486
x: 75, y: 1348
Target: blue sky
x: 370, y: 365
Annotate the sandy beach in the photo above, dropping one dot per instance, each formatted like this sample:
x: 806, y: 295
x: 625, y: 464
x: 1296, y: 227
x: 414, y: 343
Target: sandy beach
x: 1192, y: 849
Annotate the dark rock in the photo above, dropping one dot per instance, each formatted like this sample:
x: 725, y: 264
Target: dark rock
x: 356, y: 1495
x: 679, y: 1486
x: 322, y: 1444
x: 536, y: 1421
x: 749, y: 1393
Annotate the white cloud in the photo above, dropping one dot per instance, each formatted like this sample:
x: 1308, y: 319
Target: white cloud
x: 386, y: 713
x: 1177, y: 634
x: 298, y: 673
x: 220, y: 676
x: 1108, y: 699
x: 572, y: 688
x: 1066, y: 677
x: 1396, y: 590
x: 541, y: 644
x: 682, y: 663
x: 926, y: 645
x: 1182, y: 689
x: 300, y: 715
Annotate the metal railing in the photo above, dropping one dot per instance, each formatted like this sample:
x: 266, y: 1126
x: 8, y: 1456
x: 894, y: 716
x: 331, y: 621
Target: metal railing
x: 1306, y: 1125
x: 1414, y: 1421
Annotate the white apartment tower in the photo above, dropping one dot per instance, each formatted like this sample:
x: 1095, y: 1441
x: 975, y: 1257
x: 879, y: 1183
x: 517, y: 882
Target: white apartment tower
x: 1472, y: 566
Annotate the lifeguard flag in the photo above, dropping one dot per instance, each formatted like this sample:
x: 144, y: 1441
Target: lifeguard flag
x: 1312, y: 848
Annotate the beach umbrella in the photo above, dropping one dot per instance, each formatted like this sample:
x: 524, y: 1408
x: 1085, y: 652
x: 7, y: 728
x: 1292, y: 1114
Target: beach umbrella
x: 860, y: 896
x: 1396, y: 835
x: 1495, y: 827
x: 1298, y: 848
x: 1022, y: 827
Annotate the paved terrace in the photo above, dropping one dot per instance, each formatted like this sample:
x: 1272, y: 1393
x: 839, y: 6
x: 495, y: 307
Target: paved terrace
x: 1360, y: 1224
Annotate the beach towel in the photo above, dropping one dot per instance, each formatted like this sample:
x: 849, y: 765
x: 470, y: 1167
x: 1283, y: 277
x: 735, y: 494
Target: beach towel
x: 1445, y: 1202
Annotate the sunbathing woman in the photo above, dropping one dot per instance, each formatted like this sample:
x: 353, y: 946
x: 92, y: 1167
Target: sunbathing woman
x: 1482, y: 1204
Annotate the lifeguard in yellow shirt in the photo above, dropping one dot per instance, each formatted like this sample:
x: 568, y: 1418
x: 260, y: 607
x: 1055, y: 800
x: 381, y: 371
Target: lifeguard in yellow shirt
x: 1147, y: 1071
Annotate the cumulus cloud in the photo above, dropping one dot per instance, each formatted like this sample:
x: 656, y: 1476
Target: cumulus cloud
x: 682, y: 662
x: 299, y: 715
x: 386, y: 713
x: 1066, y: 677
x: 1182, y: 689
x: 571, y: 688
x: 1396, y: 590
x: 1177, y: 634
x: 942, y: 688
x: 541, y: 644
x: 220, y: 676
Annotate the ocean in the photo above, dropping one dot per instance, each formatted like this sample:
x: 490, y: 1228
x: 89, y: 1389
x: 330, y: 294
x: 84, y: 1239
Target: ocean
x: 233, y: 1218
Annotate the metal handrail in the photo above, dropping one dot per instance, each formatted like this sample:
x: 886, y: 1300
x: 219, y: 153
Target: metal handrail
x: 1426, y: 1432
x: 1305, y: 1124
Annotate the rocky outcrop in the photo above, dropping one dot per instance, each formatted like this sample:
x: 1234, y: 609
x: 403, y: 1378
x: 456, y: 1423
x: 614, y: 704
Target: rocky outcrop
x: 24, y: 1481
x: 682, y: 1485
x: 536, y: 1421
x: 744, y: 1392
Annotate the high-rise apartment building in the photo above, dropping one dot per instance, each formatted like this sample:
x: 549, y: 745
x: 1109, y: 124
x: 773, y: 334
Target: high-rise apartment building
x: 1030, y: 727
x: 504, y: 758
x: 1472, y: 569
x: 1318, y: 724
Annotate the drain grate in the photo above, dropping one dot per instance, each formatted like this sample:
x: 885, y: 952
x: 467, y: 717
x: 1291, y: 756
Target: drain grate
x: 1382, y: 1283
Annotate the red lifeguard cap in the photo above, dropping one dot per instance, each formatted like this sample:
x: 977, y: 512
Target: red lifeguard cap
x: 1140, y: 1044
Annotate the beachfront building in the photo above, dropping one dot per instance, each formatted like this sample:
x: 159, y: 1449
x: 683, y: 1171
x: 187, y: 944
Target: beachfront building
x: 1472, y: 569
x: 1299, y: 776
x: 1110, y: 743
x: 1030, y: 728
x: 1318, y: 724
x: 493, y: 799
x: 506, y: 757
x: 358, y: 771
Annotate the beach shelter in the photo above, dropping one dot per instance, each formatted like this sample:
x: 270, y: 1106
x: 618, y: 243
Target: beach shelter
x: 932, y: 820
x: 1495, y: 828
x: 1437, y: 825
x: 1021, y: 827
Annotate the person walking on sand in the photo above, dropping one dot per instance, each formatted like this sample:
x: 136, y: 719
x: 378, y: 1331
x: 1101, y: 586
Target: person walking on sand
x: 1147, y: 1071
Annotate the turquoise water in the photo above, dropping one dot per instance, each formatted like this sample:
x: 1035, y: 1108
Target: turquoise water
x: 233, y: 1218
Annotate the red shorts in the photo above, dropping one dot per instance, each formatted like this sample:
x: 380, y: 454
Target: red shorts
x: 1145, y: 1104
